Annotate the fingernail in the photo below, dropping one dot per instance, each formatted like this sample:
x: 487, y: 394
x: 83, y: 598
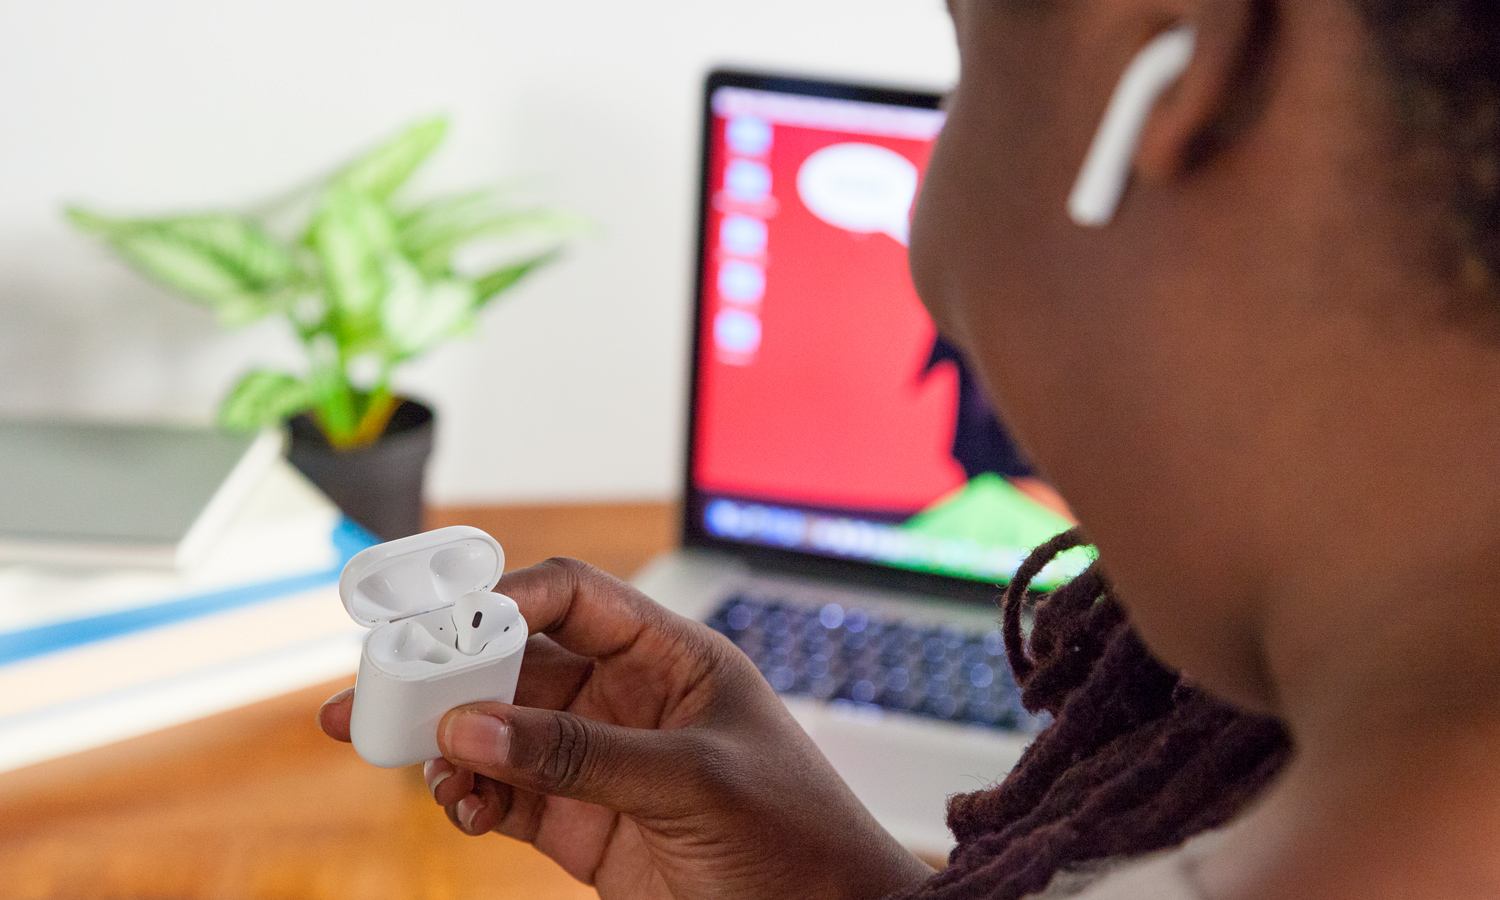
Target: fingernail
x: 468, y: 808
x: 331, y: 701
x: 477, y: 738
x: 433, y: 784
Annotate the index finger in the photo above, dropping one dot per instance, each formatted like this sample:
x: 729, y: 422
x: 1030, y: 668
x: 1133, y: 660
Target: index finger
x: 585, y: 610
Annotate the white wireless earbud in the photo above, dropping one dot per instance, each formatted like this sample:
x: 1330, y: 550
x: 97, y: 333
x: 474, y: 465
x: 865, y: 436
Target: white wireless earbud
x: 480, y: 617
x: 1101, y: 184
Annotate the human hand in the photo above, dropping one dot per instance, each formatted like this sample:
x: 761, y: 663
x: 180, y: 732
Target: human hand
x: 648, y: 757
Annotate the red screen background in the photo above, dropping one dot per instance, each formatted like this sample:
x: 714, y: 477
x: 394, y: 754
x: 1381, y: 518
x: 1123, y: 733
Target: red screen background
x: 834, y: 409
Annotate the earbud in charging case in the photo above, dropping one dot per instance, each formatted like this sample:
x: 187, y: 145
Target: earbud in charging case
x: 411, y: 670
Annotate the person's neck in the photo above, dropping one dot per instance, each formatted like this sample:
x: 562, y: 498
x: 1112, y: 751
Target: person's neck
x: 1394, y: 788
x: 1411, y: 818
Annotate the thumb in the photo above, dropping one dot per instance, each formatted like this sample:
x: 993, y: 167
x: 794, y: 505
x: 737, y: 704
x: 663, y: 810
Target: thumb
x: 633, y: 771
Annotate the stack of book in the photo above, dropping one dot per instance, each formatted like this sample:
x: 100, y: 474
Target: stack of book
x: 120, y: 619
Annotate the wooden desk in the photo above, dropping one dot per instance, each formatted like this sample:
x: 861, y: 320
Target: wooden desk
x: 258, y: 804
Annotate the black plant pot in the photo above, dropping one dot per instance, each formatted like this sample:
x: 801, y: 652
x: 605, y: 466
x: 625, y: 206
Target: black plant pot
x: 379, y: 486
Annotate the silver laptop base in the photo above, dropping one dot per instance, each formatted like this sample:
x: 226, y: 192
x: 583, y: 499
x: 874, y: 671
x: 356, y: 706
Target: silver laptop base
x: 902, y: 766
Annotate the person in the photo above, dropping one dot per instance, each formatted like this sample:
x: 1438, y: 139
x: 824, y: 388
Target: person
x: 1270, y: 391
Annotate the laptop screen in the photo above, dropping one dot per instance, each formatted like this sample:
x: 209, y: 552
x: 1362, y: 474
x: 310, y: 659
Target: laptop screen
x: 830, y: 422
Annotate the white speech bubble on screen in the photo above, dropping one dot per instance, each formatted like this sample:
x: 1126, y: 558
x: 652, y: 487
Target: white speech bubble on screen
x: 860, y: 188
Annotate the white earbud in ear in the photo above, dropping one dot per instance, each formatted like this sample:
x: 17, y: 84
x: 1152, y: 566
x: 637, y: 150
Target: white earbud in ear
x: 480, y: 617
x: 1106, y: 171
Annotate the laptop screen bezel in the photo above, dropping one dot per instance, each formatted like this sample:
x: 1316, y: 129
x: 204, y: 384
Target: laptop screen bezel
x: 694, y: 534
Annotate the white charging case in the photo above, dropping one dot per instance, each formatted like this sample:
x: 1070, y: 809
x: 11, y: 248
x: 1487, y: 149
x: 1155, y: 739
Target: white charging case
x: 400, y: 697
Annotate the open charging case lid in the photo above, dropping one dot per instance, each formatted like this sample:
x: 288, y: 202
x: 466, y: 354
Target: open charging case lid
x: 418, y: 574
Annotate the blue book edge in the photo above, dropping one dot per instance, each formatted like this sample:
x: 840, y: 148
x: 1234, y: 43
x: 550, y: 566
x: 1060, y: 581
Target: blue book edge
x: 348, y: 539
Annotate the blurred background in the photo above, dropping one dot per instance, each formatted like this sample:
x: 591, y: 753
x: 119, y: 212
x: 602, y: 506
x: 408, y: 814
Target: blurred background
x: 560, y: 423
x: 574, y: 388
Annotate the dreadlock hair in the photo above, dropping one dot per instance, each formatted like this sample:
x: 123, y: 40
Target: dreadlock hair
x: 1136, y: 759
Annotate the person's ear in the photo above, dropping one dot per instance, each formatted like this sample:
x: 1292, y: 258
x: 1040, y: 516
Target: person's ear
x: 1175, y: 103
x: 1216, y: 92
x: 1112, y: 156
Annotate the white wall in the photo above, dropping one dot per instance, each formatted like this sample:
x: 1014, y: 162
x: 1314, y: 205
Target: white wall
x: 574, y: 388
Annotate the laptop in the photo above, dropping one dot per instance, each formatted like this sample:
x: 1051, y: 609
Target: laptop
x: 853, y: 508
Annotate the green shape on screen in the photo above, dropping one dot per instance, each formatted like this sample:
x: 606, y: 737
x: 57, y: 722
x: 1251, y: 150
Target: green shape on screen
x: 991, y: 512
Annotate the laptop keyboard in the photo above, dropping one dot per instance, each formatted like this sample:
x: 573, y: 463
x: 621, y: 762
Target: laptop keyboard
x: 849, y: 655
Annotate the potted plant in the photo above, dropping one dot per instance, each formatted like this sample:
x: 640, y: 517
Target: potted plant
x: 367, y: 281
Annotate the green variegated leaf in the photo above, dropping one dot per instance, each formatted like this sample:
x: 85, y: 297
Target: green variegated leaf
x: 188, y: 271
x: 263, y: 399
x: 226, y: 262
x: 488, y: 287
x: 379, y: 172
x: 436, y: 213
x: 352, y: 235
x: 239, y: 243
x: 418, y: 314
x: 431, y: 234
x: 426, y: 230
x: 406, y: 293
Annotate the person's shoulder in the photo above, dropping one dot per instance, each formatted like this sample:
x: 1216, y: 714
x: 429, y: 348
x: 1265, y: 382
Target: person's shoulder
x: 1160, y: 876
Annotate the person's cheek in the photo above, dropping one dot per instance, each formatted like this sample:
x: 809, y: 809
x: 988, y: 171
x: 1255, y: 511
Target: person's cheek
x: 931, y: 241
